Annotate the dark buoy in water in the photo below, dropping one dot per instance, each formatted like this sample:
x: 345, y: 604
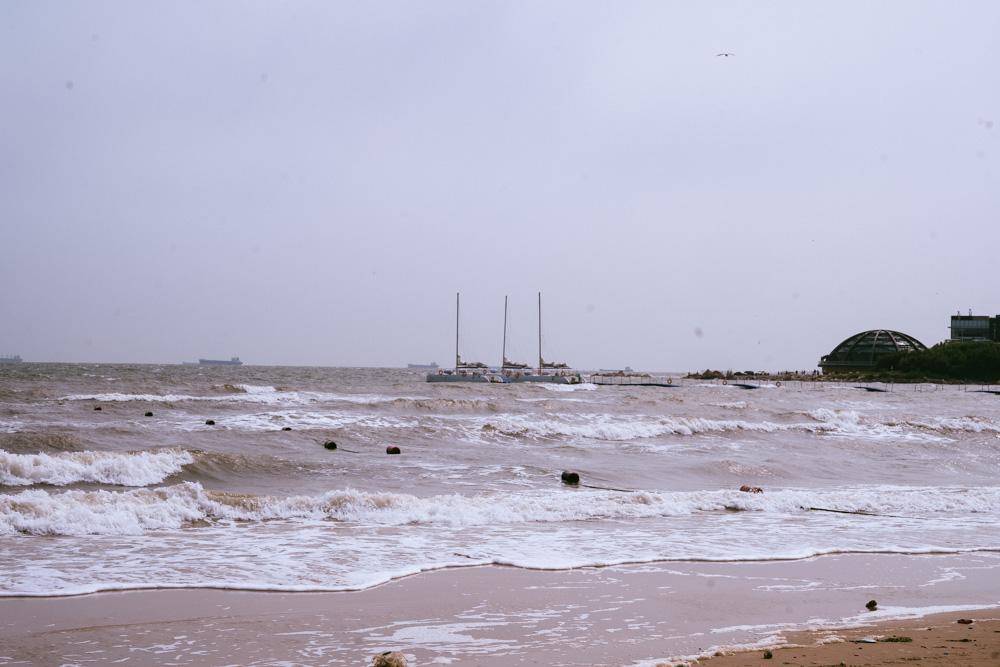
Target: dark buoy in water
x: 209, y: 422
x: 287, y: 428
x: 872, y: 605
x: 570, y: 478
x: 330, y: 444
x: 392, y: 449
x: 149, y: 414
x: 98, y: 408
x: 389, y: 659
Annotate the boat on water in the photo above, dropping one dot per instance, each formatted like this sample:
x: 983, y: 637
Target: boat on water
x: 547, y: 371
x: 509, y: 371
x: 232, y: 361
x: 423, y: 367
x: 464, y: 371
x: 11, y: 359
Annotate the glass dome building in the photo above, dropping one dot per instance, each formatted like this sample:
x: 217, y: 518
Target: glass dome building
x: 862, y: 351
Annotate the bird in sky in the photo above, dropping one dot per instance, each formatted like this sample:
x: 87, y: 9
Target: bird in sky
x: 724, y: 55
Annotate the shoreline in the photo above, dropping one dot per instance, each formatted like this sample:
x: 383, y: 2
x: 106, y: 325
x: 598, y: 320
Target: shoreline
x: 317, y: 590
x: 930, y: 639
x: 498, y: 615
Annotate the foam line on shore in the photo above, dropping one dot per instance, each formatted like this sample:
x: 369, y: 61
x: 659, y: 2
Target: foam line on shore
x: 383, y: 578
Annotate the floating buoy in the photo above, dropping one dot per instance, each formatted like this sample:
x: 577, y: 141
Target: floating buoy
x: 872, y: 605
x: 778, y: 383
x: 98, y: 408
x: 287, y: 428
x: 670, y: 380
x: 149, y: 414
x: 725, y: 382
x: 392, y: 449
x: 330, y: 444
x: 209, y: 422
x: 964, y: 621
x: 570, y: 478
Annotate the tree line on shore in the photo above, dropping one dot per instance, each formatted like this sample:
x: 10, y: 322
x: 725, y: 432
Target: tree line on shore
x: 977, y: 361
x: 966, y: 361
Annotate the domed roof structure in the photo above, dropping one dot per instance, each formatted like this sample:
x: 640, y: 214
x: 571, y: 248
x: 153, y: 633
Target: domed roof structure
x: 862, y: 350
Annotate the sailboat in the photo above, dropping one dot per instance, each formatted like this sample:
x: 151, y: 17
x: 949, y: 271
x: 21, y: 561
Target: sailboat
x: 465, y: 371
x: 558, y: 373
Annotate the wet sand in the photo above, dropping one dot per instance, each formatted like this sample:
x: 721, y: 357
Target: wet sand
x: 934, y: 640
x: 639, y: 614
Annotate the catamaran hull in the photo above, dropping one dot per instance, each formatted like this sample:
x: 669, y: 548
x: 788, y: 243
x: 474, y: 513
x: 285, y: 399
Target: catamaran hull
x: 549, y: 379
x: 445, y: 377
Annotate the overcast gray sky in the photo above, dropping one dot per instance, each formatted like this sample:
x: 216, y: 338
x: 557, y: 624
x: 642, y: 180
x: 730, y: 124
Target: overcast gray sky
x: 311, y: 182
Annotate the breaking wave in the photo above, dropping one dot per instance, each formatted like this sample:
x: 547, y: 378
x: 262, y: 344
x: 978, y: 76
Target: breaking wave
x: 124, y: 469
x: 133, y: 512
x: 822, y: 421
x: 583, y: 386
x: 240, y: 393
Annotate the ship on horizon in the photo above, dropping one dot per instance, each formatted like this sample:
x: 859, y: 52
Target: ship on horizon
x: 423, y: 367
x: 233, y: 361
x: 11, y: 359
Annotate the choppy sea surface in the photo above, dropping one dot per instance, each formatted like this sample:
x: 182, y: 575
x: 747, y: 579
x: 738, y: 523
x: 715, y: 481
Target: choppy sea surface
x: 111, y: 499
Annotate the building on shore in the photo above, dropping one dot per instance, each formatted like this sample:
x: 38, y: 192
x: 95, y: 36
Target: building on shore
x: 862, y: 351
x: 975, y: 328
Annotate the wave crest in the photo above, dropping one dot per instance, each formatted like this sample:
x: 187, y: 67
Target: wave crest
x: 78, y: 512
x: 124, y: 469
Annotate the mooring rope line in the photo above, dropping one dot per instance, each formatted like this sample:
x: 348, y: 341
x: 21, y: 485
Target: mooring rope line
x: 864, y: 513
x: 608, y: 488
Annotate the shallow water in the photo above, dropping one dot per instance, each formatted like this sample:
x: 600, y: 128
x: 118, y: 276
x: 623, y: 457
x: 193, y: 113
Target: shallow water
x: 111, y: 499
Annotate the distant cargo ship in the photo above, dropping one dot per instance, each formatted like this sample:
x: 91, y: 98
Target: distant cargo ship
x: 233, y: 361
x: 11, y: 359
x: 423, y: 367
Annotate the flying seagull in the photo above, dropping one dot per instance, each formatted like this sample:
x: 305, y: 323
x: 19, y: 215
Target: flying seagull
x: 724, y: 55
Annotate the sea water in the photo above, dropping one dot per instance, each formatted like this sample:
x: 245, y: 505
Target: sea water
x: 112, y: 499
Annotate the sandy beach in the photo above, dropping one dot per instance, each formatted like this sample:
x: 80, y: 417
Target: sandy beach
x: 939, y: 639
x: 626, y: 615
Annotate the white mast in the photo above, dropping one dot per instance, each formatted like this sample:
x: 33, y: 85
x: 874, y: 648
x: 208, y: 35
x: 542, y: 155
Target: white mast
x: 540, y: 333
x: 503, y: 351
x: 457, y: 358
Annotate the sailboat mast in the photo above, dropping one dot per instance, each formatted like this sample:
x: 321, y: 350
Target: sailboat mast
x: 503, y: 351
x: 457, y: 358
x: 539, y: 333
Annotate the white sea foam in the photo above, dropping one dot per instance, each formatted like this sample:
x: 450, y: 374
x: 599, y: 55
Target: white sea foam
x: 10, y: 426
x: 78, y: 512
x: 629, y: 427
x: 583, y: 386
x: 126, y: 469
x: 269, y: 421
x: 850, y: 422
x: 966, y: 424
x: 261, y: 394
x: 619, y: 427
